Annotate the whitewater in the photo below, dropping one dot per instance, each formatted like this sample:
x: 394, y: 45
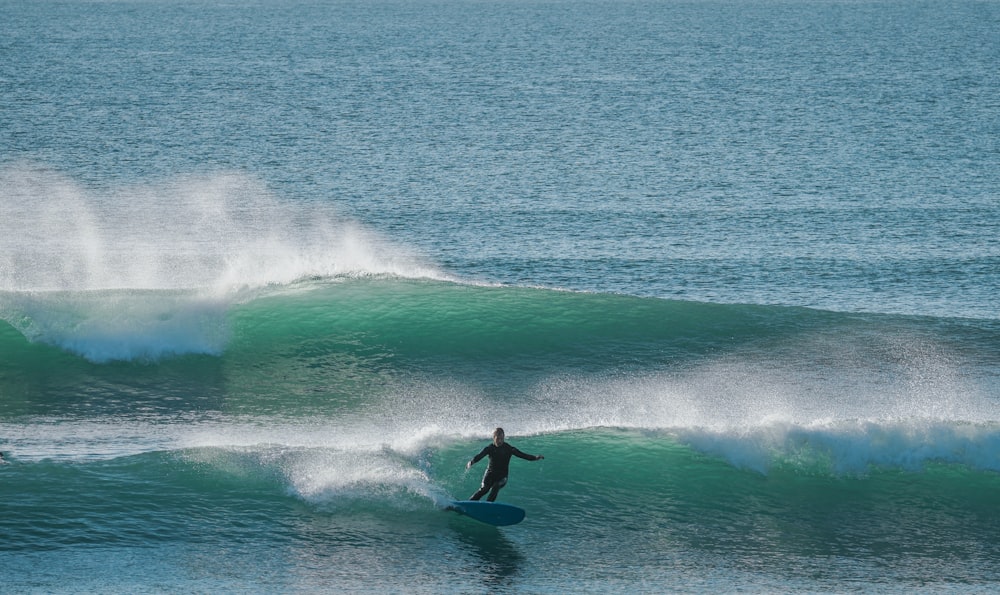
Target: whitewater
x: 272, y: 273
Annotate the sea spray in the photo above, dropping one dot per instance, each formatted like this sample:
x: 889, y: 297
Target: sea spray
x: 215, y: 232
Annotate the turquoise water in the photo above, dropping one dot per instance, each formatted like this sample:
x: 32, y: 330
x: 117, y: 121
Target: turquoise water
x: 271, y: 273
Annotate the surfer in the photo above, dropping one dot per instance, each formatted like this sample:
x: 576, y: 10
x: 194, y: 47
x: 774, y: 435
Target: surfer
x: 499, y: 453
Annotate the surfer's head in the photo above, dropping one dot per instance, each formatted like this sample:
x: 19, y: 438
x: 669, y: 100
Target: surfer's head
x: 498, y: 436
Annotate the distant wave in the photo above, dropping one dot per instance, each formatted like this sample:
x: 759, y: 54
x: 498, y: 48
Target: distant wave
x: 142, y: 272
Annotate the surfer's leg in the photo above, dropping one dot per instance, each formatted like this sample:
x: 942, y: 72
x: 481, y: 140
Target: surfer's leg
x: 496, y: 489
x: 488, y: 482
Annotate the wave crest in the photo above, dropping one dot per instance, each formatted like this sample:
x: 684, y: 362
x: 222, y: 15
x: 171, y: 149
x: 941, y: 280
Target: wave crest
x: 146, y: 271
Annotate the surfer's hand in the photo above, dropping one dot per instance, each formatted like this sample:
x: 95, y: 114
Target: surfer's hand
x: 539, y: 458
x: 468, y: 465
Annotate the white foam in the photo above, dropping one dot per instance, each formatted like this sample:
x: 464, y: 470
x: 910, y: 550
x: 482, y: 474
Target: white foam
x: 120, y: 325
x: 330, y: 475
x: 852, y: 447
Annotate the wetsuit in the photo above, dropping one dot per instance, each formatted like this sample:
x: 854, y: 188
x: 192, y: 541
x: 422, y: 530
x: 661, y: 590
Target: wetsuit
x: 496, y: 474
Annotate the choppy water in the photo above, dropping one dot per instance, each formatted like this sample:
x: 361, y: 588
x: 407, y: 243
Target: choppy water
x: 271, y: 272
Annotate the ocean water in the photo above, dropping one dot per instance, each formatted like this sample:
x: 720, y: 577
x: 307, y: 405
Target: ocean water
x: 272, y: 271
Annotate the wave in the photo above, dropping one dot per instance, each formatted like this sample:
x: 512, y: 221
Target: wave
x: 439, y: 318
x: 218, y: 477
x: 442, y: 318
x: 216, y: 265
x: 149, y: 271
x: 389, y: 347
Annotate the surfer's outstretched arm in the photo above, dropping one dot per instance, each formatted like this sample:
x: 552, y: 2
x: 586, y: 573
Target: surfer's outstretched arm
x: 477, y: 458
x: 526, y: 457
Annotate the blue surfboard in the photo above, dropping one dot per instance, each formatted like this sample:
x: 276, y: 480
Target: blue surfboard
x: 497, y: 514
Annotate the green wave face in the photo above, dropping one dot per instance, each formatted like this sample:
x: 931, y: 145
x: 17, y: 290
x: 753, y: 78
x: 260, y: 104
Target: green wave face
x: 363, y: 344
x: 593, y: 483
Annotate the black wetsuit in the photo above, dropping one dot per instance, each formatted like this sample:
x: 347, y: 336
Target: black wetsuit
x: 496, y: 474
